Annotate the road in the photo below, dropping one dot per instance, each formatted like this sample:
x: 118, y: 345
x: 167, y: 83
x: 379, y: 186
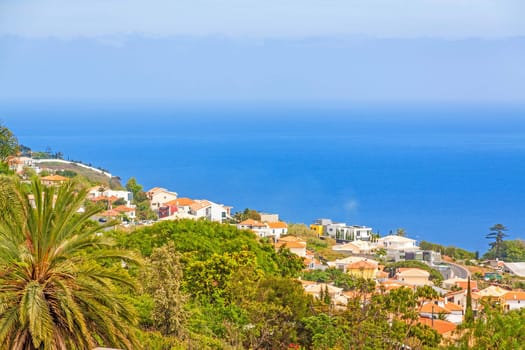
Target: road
x: 458, y: 270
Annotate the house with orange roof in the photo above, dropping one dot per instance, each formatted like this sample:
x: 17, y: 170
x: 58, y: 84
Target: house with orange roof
x: 111, y: 213
x: 17, y: 164
x: 297, y: 247
x: 460, y: 283
x: 97, y: 193
x: 432, y: 310
x: 355, y: 247
x: 514, y: 300
x: 53, y: 180
x: 363, y: 269
x: 459, y: 298
x: 159, y: 196
x: 202, y: 208
x: 278, y: 228
x: 179, y: 206
x: 445, y: 328
x: 343, y: 263
x: 318, y: 288
x: 127, y: 211
x: 259, y: 228
x: 413, y: 276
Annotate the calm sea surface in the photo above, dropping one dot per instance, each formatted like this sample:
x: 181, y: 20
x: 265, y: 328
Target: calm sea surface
x: 445, y: 174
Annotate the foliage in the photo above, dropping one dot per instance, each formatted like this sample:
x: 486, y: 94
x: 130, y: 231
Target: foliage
x: 8, y: 143
x: 140, y: 199
x: 497, y: 233
x: 494, y: 330
x: 509, y: 250
x: 246, y: 214
x: 58, y: 285
x: 163, y: 277
x: 199, y: 240
x: 453, y: 252
x: 335, y: 276
x: 67, y: 173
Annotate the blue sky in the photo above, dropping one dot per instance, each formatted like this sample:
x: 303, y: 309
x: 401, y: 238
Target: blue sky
x: 296, y: 50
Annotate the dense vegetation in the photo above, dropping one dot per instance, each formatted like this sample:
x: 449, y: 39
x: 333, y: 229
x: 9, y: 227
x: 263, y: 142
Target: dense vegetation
x: 454, y: 252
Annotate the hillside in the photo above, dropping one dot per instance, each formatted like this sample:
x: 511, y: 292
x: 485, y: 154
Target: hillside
x: 91, y: 176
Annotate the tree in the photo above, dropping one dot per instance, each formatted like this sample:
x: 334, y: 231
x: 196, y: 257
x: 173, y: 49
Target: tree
x: 247, y: 214
x: 133, y: 186
x: 8, y: 143
x: 469, y: 313
x: 163, y: 280
x: 401, y: 232
x: 497, y: 233
x: 58, y: 286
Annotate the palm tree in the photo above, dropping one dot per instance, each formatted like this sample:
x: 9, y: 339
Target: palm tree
x: 497, y: 234
x: 58, y: 285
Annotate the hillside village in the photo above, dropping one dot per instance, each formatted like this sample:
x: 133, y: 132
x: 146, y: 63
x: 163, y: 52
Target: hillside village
x: 391, y: 262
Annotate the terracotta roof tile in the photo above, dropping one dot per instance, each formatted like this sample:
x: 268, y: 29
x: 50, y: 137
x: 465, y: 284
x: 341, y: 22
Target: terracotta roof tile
x: 514, y: 296
x: 278, y: 224
x: 433, y: 308
x: 440, y: 326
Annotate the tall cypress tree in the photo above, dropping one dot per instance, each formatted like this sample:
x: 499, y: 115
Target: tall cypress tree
x: 469, y: 314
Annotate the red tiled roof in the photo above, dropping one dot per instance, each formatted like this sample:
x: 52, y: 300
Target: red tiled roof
x: 123, y: 208
x: 110, y: 212
x: 181, y: 202
x: 278, y: 224
x: 290, y: 245
x: 433, y: 308
x: 514, y: 296
x: 453, y: 307
x: 440, y: 326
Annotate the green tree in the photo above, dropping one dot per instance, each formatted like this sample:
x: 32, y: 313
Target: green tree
x: 469, y: 313
x: 497, y: 233
x: 247, y: 214
x: 163, y: 280
x: 401, y: 232
x: 8, y: 143
x: 133, y: 187
x: 58, y: 287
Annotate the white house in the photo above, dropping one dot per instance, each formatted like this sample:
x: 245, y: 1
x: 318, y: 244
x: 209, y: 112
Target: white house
x: 514, y: 300
x: 202, y: 208
x: 393, y: 242
x: 17, y: 164
x: 127, y: 211
x: 296, y: 245
x: 159, y: 196
x: 101, y: 192
x: 342, y: 231
x: 278, y: 228
x: 355, y: 247
x: 259, y: 228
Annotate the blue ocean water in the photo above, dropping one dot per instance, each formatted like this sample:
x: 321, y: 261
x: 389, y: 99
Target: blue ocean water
x: 444, y: 173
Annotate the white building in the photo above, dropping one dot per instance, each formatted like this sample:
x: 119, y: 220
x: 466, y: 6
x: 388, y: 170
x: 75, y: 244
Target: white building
x: 514, y: 300
x: 393, y: 242
x: 100, y: 191
x: 159, y: 196
x: 202, y: 208
x: 341, y: 231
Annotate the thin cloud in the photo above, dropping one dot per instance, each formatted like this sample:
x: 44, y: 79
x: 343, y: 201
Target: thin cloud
x: 263, y: 18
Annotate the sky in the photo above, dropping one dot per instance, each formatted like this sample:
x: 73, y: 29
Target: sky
x: 263, y: 50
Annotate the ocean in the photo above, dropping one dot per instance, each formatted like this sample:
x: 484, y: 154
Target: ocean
x: 444, y: 173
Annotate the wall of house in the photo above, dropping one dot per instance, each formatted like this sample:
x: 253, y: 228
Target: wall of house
x: 514, y: 304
